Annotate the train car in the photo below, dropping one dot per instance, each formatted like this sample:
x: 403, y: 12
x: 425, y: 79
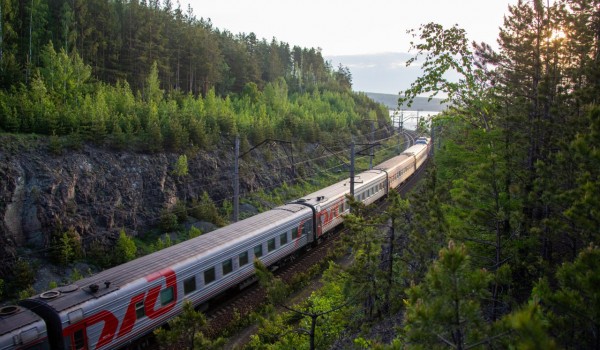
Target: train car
x: 329, y: 204
x: 397, y: 169
x: 21, y: 328
x: 118, y: 305
x: 422, y: 140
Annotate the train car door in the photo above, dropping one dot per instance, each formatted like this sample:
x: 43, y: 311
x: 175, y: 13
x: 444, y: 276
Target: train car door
x: 319, y: 220
x: 77, y: 339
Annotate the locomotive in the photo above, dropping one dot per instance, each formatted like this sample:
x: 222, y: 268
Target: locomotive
x: 119, y: 305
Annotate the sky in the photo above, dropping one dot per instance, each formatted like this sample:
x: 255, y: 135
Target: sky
x: 361, y: 35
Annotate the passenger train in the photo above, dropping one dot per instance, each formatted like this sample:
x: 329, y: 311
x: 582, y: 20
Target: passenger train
x: 119, y: 305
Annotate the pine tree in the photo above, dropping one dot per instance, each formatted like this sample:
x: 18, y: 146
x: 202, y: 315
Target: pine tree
x: 445, y: 309
x: 181, y: 166
x: 125, y: 249
x: 186, y: 332
x: 573, y: 308
x: 367, y: 281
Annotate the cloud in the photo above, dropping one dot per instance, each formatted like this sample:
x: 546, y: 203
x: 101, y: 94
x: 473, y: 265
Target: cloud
x: 384, y: 73
x: 361, y: 65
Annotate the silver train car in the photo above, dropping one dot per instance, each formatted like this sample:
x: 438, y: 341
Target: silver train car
x: 117, y: 306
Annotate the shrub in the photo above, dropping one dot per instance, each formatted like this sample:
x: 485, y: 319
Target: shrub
x: 66, y: 247
x: 125, y: 249
x: 206, y: 210
x: 181, y: 167
x: 168, y: 221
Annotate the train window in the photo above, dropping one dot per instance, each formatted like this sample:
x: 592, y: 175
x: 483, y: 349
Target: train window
x: 283, y: 239
x: 258, y: 251
x: 227, y: 266
x: 271, y: 245
x: 209, y: 275
x: 243, y: 258
x: 189, y: 285
x: 140, y: 312
x: 166, y: 296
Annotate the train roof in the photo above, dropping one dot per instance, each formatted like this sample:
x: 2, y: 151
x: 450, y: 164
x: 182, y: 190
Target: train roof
x: 394, y: 162
x: 14, y: 317
x: 223, y: 238
x: 340, y: 188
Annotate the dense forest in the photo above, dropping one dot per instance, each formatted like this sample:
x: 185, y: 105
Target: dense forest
x: 498, y: 248
x: 149, y: 77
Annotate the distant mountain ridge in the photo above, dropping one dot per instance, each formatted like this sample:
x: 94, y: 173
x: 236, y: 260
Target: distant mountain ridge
x: 419, y: 104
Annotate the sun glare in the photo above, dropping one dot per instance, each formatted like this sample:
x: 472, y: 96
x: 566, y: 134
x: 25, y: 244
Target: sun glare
x: 558, y: 34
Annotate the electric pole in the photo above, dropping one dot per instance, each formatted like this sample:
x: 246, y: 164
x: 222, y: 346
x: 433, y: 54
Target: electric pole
x: 236, y: 180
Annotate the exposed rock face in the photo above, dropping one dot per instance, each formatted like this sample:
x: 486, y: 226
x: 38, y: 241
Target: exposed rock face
x: 98, y: 191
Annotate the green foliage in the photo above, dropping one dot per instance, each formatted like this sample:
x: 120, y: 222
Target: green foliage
x: 23, y: 276
x: 139, y: 114
x: 66, y: 247
x: 75, y: 275
x: 55, y: 145
x: 162, y: 242
x: 194, y: 232
x: 573, y: 308
x: 26, y: 293
x: 227, y: 209
x: 181, y: 166
x: 98, y: 254
x: 180, y: 210
x: 276, y: 289
x: 312, y: 324
x: 445, y: 309
x: 186, y: 331
x: 526, y: 328
x: 584, y: 203
x: 65, y: 250
x: 103, y: 117
x: 125, y: 249
x: 367, y: 284
x: 168, y: 221
x: 205, y: 209
x: 447, y: 50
